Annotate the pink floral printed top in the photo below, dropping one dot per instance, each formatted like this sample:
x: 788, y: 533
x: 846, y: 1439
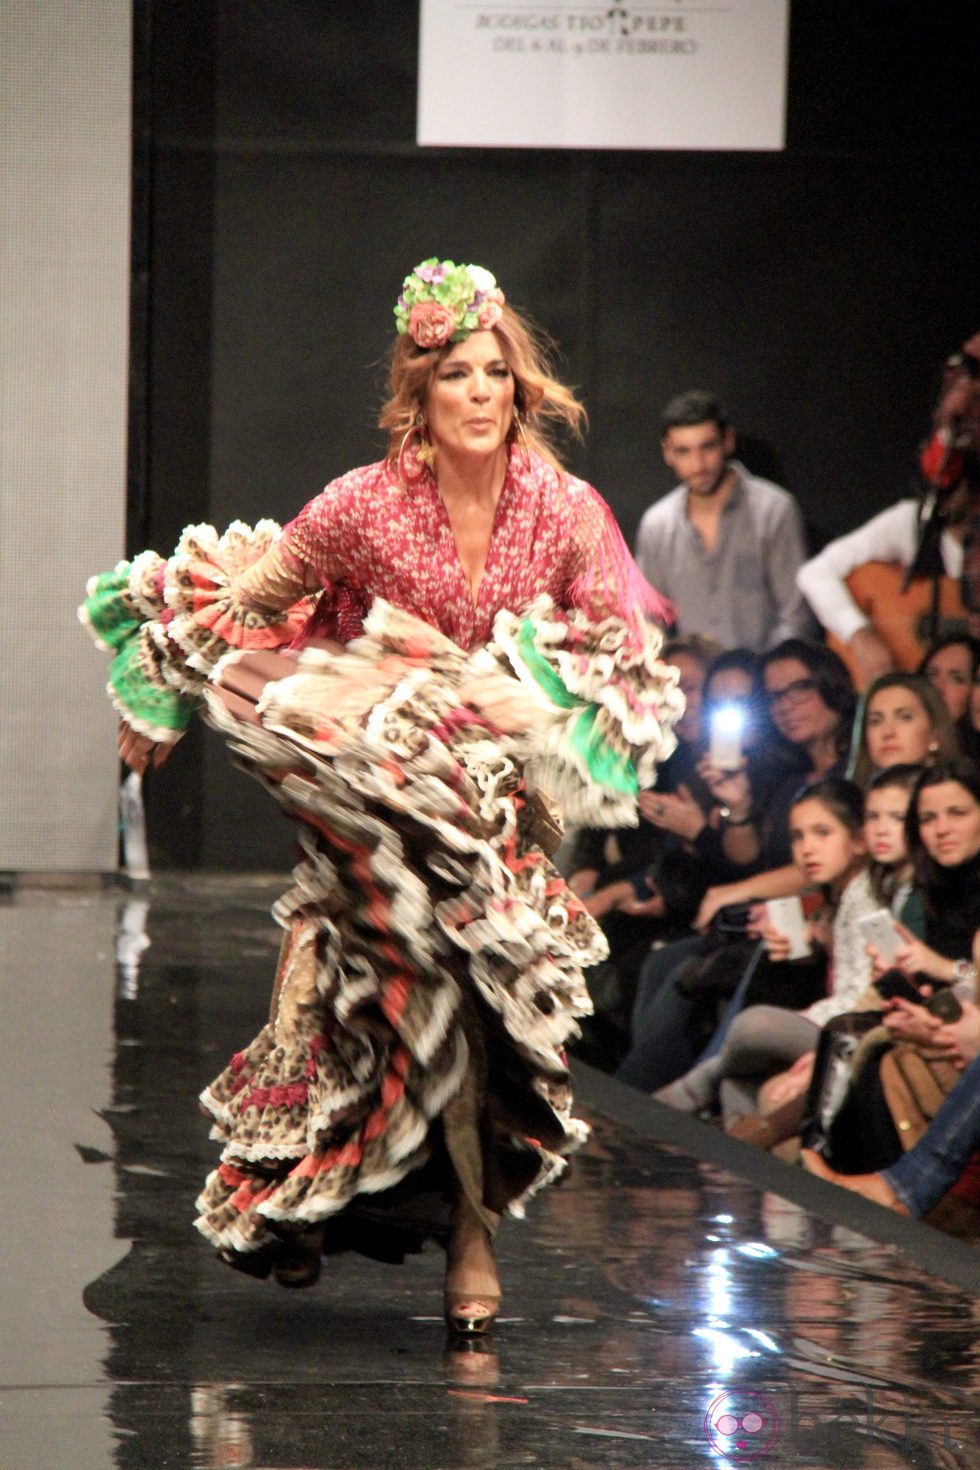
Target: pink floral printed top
x: 368, y: 535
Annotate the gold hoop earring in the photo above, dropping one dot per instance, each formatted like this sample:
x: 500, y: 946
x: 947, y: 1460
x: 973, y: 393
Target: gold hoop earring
x: 520, y: 434
x: 425, y: 452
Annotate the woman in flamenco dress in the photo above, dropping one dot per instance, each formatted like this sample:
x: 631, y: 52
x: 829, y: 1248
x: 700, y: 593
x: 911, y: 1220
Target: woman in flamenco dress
x: 438, y: 649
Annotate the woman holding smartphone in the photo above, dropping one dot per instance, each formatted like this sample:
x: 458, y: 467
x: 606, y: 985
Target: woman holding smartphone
x: 733, y: 736
x: 853, y: 847
x: 915, y: 1182
x: 810, y: 700
x: 944, y: 842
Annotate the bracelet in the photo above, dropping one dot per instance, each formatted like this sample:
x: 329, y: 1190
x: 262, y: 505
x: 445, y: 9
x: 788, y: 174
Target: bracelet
x: 725, y: 812
x: 964, y: 971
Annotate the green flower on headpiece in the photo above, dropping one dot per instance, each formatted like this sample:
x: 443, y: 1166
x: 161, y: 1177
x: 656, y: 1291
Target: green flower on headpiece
x: 443, y: 302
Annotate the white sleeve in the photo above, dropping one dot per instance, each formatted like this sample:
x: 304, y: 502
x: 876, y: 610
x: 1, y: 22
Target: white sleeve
x: 851, y: 965
x: 889, y: 536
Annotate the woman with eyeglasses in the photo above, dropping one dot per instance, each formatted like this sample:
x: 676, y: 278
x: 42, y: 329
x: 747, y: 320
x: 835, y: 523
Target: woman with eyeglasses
x: 811, y: 701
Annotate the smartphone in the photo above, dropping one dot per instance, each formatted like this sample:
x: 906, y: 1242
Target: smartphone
x: 786, y: 916
x: 725, y: 737
x: 879, y: 929
x: 893, y: 985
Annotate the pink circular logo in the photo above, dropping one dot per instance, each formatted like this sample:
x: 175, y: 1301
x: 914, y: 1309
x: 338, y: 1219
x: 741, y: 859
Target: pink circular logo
x: 741, y: 1424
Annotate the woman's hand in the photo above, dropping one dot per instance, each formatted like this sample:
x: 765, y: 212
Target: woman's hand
x: 643, y: 908
x: 912, y: 958
x: 777, y: 944
x: 729, y: 788
x: 909, y: 1022
x: 961, y: 1039
x: 714, y: 899
x: 787, y: 1085
x: 139, y: 751
x: 678, y: 813
x: 604, y: 900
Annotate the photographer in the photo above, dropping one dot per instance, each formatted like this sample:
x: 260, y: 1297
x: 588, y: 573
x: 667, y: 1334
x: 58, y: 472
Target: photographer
x: 734, y: 759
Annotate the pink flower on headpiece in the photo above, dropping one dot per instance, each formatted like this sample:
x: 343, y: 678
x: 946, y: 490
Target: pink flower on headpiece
x: 431, y: 324
x: 432, y: 273
x: 490, y: 314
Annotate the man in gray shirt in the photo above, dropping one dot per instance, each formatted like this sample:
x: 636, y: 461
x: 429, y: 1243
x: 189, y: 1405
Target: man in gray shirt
x: 724, y: 546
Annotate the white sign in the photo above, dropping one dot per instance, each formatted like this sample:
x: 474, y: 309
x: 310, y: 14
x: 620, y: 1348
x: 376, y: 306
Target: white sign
x: 673, y: 74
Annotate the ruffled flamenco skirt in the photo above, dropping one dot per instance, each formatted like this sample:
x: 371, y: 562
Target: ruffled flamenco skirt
x: 430, y: 972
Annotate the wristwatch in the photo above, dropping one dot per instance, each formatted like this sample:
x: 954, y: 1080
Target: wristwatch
x: 965, y: 973
x: 725, y: 812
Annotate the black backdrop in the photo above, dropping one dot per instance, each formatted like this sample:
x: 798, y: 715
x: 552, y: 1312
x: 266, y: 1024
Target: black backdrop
x: 279, y: 199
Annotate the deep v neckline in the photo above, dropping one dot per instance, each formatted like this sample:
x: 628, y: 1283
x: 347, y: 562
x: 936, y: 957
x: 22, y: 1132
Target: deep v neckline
x: 475, y: 594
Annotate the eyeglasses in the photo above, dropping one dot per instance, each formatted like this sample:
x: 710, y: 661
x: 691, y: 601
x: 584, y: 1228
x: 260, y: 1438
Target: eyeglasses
x: 794, y: 693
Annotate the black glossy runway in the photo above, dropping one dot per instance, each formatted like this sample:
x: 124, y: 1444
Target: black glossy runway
x: 681, y: 1301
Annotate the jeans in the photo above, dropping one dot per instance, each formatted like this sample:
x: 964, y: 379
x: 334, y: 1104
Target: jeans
x: 660, y: 1049
x: 921, y: 1177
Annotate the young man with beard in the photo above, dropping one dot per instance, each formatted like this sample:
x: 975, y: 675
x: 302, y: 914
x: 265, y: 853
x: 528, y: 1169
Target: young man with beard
x: 725, y: 546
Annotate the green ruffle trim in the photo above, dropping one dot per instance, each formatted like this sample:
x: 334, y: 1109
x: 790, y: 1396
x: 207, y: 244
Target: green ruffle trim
x: 110, y: 614
x: 606, y: 766
x: 538, y: 666
x: 150, y: 704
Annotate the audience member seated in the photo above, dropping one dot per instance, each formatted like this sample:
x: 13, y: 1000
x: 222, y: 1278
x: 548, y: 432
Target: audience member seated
x: 672, y: 888
x: 896, y: 1075
x: 902, y: 721
x: 613, y: 872
x: 600, y: 858
x: 942, y: 1167
x: 734, y: 731
x: 854, y: 847
x: 811, y: 702
x: 950, y: 664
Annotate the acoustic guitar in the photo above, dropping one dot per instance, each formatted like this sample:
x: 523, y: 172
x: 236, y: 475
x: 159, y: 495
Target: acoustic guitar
x: 902, y: 618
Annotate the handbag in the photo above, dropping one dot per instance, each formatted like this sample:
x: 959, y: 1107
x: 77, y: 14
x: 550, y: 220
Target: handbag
x: 915, y: 1082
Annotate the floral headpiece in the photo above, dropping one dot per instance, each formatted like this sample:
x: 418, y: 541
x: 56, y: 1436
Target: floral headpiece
x: 443, y: 302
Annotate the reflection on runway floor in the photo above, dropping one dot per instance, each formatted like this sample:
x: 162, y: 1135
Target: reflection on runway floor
x: 659, y: 1310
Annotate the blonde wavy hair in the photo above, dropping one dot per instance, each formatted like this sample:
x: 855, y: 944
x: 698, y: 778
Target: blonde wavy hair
x: 542, y: 401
